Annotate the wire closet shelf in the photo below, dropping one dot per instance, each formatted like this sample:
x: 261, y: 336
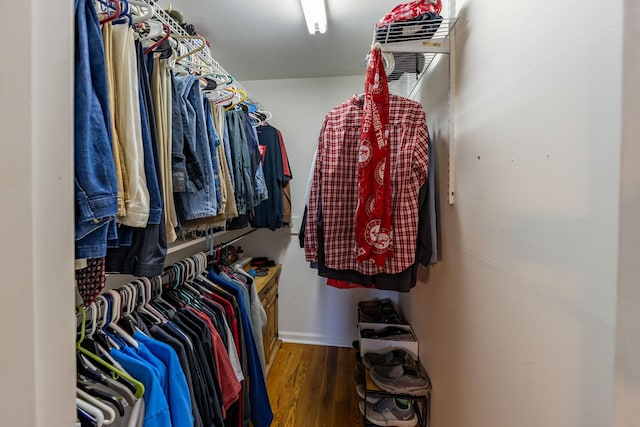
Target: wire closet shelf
x: 410, y: 48
x: 187, y: 45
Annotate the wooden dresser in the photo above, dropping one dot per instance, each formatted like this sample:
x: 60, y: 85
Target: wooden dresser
x: 267, y: 287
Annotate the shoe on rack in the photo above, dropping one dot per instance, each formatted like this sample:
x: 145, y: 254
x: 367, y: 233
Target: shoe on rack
x: 402, y: 379
x: 390, y: 332
x: 374, y: 303
x: 360, y: 389
x: 390, y: 412
x: 390, y: 358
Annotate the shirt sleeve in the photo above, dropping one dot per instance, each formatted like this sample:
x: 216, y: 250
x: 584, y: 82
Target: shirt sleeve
x: 311, y: 231
x: 420, y: 164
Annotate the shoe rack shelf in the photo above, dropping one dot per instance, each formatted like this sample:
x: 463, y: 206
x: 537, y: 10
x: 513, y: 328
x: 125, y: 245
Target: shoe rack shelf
x: 422, y: 404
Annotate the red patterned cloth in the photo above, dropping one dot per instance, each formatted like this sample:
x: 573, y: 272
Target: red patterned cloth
x: 410, y: 11
x: 343, y: 284
x: 373, y: 233
x: 91, y: 279
x: 335, y: 185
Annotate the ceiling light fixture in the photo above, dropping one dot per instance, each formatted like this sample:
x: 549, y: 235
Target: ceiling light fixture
x: 315, y: 15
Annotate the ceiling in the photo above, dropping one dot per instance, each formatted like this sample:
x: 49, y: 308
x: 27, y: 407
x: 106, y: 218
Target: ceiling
x: 259, y: 39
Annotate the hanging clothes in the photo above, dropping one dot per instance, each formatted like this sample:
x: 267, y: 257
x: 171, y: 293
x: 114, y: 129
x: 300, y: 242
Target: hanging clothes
x: 128, y: 125
x: 334, y: 185
x: 96, y: 187
x: 270, y: 213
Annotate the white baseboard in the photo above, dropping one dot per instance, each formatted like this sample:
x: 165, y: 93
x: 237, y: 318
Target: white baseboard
x: 315, y: 339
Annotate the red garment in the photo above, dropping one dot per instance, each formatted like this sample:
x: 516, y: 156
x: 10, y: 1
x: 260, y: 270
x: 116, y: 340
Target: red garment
x: 410, y: 11
x: 285, y: 158
x: 373, y: 232
x: 229, y: 384
x: 228, y: 308
x: 91, y: 280
x: 343, y: 284
x: 335, y: 184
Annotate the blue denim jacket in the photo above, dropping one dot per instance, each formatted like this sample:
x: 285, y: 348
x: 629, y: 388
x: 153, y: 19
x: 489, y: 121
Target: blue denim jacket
x: 96, y: 188
x: 201, y: 203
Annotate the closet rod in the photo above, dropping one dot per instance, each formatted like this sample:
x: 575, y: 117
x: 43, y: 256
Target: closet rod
x: 231, y: 242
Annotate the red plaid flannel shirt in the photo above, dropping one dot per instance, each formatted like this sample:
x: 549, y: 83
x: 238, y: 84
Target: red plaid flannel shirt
x: 335, y: 181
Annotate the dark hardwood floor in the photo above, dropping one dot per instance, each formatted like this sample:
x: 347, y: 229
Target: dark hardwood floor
x: 314, y: 386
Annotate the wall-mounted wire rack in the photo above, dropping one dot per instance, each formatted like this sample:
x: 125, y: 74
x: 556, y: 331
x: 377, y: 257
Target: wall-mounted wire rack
x: 409, y: 48
x: 412, y: 46
x: 186, y: 45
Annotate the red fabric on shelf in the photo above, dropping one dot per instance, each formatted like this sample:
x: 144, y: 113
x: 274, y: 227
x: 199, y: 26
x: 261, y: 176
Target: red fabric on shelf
x: 410, y: 11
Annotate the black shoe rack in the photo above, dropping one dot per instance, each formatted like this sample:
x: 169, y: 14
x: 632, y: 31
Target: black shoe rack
x: 422, y: 404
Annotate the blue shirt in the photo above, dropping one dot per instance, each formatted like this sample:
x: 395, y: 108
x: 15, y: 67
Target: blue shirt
x: 156, y: 406
x: 178, y: 395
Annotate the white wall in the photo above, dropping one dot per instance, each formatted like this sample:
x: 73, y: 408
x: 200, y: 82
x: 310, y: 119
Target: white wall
x: 627, y: 373
x: 37, y: 370
x: 516, y: 326
x: 309, y: 311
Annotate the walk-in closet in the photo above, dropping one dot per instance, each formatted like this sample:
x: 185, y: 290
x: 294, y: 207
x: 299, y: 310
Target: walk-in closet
x: 299, y: 213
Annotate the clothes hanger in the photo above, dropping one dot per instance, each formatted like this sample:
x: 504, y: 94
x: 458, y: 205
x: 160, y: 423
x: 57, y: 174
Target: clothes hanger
x: 191, y: 52
x: 124, y: 14
x: 143, y: 306
x: 85, y: 419
x: 151, y: 27
x: 96, y: 413
x: 109, y: 415
x: 240, y: 94
x: 139, y: 387
x: 141, y: 5
x: 116, y: 313
x: 226, y: 95
x: 154, y: 46
x: 115, y: 5
x: 194, y: 66
x: 115, y: 401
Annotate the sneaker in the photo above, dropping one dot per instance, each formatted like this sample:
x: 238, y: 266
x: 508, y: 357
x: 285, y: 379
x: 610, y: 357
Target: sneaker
x: 390, y: 358
x: 360, y: 389
x: 390, y: 412
x: 390, y: 333
x: 399, y: 380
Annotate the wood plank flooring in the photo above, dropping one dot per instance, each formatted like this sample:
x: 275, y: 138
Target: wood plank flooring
x: 314, y: 386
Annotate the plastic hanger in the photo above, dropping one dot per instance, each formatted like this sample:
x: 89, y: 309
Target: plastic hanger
x: 226, y: 95
x: 96, y: 413
x: 203, y: 43
x: 243, y: 97
x: 109, y: 415
x: 141, y: 5
x: 154, y: 46
x: 115, y: 5
x: 116, y: 313
x: 115, y: 371
x: 116, y: 401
